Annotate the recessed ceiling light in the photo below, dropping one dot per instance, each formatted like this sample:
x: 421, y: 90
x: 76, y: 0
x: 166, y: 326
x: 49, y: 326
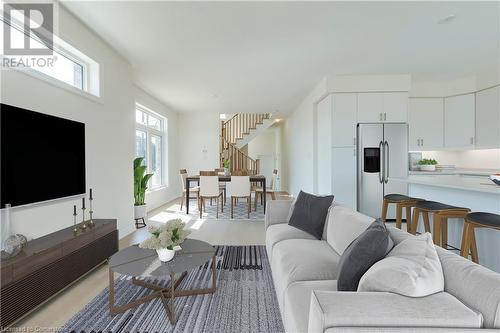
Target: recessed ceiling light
x: 447, y: 19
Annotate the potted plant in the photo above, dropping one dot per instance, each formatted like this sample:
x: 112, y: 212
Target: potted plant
x: 227, y: 165
x: 140, y: 186
x: 428, y: 164
x: 165, y: 238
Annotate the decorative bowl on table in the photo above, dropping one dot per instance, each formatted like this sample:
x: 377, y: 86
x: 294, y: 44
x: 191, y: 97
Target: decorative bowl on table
x: 495, y: 178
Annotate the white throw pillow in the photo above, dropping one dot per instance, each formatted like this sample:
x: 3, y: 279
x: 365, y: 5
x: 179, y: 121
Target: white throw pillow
x: 411, y: 269
x: 345, y: 225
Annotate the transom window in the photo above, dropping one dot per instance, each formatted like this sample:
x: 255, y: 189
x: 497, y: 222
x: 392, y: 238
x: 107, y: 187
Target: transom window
x: 149, y: 143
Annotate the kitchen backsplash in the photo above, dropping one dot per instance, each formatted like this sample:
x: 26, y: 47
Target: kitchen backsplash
x: 469, y: 159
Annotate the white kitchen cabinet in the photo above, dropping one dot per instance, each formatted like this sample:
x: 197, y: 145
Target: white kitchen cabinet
x: 324, y: 146
x: 426, y: 117
x: 383, y: 107
x: 344, y: 176
x: 344, y: 119
x: 459, y: 119
x: 488, y: 118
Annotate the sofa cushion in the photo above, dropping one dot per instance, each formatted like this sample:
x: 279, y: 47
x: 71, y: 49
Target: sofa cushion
x: 344, y: 226
x: 411, y: 269
x: 296, y: 305
x: 279, y: 232
x: 309, y: 213
x: 302, y: 260
x: 381, y: 309
x: 474, y: 285
x: 368, y: 248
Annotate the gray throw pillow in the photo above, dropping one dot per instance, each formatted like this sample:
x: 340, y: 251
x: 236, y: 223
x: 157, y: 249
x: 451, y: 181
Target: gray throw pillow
x: 368, y: 248
x: 309, y: 213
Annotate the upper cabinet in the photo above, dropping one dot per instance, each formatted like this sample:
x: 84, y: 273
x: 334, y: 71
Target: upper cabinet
x: 383, y: 107
x: 426, y: 117
x: 459, y: 116
x: 488, y: 118
x: 344, y: 106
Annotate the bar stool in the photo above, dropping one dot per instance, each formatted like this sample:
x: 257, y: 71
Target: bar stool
x: 401, y: 201
x: 442, y: 212
x: 476, y: 220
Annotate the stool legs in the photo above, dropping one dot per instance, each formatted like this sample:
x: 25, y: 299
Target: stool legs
x: 469, y: 242
x: 427, y: 224
x: 414, y: 221
x: 408, y: 218
x: 385, y: 205
x: 436, y: 226
x: 399, y: 215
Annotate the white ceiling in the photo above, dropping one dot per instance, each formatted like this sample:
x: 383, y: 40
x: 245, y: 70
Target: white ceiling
x: 233, y: 57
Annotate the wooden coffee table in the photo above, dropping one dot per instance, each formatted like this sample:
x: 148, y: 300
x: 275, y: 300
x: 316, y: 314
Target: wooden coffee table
x: 142, y: 263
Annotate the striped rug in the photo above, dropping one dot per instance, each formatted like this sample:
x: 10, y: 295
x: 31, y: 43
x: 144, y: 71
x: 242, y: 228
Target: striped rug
x: 245, y: 300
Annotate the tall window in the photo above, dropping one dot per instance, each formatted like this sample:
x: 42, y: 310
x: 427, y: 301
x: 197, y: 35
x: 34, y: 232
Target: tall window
x: 149, y: 140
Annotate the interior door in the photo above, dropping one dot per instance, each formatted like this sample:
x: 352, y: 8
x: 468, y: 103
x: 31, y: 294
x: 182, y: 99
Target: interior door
x: 396, y: 151
x: 267, y: 167
x: 370, y: 189
x: 324, y: 146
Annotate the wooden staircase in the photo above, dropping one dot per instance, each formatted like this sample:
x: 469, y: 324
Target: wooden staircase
x: 236, y: 129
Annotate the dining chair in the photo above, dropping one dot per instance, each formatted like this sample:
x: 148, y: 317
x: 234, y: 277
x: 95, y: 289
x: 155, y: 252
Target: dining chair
x: 209, y: 188
x: 195, y: 189
x: 269, y: 190
x: 222, y: 185
x: 240, y: 188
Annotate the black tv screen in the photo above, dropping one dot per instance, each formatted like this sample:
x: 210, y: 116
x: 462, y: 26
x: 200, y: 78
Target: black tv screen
x: 42, y: 156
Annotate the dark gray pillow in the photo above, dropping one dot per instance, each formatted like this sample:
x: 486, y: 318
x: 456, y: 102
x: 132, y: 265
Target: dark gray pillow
x: 368, y: 248
x: 309, y: 213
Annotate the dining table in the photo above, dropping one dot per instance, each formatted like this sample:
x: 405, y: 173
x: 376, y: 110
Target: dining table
x: 226, y: 178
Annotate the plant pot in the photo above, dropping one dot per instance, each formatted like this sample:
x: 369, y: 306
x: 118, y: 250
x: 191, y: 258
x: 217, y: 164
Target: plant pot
x: 427, y: 167
x: 165, y: 254
x: 139, y: 212
x: 226, y: 172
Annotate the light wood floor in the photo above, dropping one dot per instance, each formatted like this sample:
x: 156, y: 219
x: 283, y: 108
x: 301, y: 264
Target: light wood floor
x: 62, y: 307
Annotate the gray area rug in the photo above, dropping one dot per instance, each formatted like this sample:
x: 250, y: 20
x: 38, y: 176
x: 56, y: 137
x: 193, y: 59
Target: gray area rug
x: 239, y: 210
x: 245, y: 300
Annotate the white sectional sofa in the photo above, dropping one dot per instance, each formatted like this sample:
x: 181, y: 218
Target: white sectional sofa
x: 304, y: 271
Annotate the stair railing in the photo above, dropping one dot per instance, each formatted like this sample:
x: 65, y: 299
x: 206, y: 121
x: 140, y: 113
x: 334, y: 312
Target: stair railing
x: 241, y: 124
x: 238, y: 159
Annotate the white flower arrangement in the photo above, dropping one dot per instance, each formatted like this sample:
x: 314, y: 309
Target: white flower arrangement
x: 166, y: 236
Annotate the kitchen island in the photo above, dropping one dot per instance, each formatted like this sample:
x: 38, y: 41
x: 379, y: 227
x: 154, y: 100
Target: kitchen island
x: 476, y: 192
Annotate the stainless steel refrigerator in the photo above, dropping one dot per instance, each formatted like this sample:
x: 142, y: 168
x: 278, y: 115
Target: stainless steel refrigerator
x: 382, y: 154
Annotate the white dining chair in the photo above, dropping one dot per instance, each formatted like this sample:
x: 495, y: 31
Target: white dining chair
x: 259, y: 192
x: 222, y: 185
x: 195, y: 189
x: 209, y: 189
x: 240, y: 188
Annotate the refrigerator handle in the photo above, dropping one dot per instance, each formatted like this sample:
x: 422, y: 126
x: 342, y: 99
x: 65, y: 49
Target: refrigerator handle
x: 381, y: 170
x: 386, y: 164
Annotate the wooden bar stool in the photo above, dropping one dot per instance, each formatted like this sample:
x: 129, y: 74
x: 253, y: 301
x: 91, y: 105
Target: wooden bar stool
x: 401, y: 201
x: 472, y: 221
x: 442, y: 212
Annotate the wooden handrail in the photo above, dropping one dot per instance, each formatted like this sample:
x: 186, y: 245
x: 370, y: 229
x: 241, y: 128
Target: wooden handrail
x: 238, y: 159
x: 240, y: 124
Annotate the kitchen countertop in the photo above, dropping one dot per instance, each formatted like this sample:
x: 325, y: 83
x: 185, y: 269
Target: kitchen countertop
x: 460, y: 181
x: 457, y: 171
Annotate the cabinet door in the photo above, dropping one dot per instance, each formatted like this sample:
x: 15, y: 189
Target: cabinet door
x: 370, y: 107
x: 395, y: 107
x: 344, y: 175
x: 459, y: 121
x: 324, y: 146
x: 426, y: 123
x: 488, y: 118
x: 344, y: 120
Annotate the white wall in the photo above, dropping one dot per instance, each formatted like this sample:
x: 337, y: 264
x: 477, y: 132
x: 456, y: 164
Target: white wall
x: 172, y: 189
x: 110, y: 132
x: 300, y: 142
x: 198, y: 144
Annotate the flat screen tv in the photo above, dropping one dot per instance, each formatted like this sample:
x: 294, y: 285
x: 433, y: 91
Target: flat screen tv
x: 42, y: 157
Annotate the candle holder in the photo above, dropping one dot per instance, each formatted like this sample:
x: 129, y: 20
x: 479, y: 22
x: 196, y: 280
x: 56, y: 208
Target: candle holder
x: 75, y: 228
x: 91, y: 212
x: 83, y: 225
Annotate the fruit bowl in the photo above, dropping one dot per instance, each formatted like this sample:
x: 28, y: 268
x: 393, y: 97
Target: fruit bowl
x: 495, y: 178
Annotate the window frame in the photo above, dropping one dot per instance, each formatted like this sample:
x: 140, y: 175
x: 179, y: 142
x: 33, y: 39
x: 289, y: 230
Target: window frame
x: 90, y: 67
x: 162, y: 134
